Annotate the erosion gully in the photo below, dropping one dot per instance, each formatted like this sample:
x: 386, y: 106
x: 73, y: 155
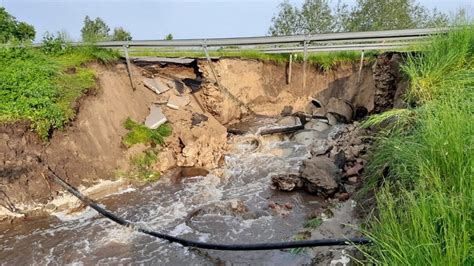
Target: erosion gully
x: 238, y: 205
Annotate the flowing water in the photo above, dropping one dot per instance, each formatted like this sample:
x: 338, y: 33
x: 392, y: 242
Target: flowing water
x: 235, y: 206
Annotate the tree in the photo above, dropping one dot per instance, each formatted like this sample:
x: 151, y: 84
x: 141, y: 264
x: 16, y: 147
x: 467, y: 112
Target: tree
x: 11, y: 29
x: 94, y: 30
x: 120, y: 34
x: 316, y: 16
x: 169, y: 37
x: 287, y: 22
x: 391, y: 14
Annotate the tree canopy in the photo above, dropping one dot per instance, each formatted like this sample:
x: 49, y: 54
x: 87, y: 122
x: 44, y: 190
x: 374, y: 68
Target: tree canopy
x: 11, y: 29
x: 317, y: 16
x: 94, y: 30
x: 97, y: 30
x: 120, y: 34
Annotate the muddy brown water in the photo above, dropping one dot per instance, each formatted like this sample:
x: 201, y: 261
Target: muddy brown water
x: 237, y: 207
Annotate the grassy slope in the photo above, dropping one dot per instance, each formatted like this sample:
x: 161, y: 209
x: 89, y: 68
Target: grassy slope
x: 37, y: 87
x: 425, y: 204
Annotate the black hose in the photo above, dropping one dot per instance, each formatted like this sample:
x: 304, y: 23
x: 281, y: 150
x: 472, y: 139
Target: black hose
x: 204, y: 245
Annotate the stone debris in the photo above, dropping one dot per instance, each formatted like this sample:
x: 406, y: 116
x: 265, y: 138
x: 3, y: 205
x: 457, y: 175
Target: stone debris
x: 156, y: 85
x: 320, y: 176
x: 176, y: 102
x: 286, y: 182
x: 156, y: 117
x: 316, y: 125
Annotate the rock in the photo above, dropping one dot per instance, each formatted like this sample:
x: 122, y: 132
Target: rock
x: 288, y: 205
x: 340, y: 159
x: 238, y: 206
x: 331, y: 119
x: 166, y: 160
x: 316, y: 125
x: 356, y: 141
x: 342, y: 196
x: 176, y: 102
x: 342, y: 110
x: 354, y: 170
x: 156, y: 117
x: 307, y: 137
x: 320, y: 176
x: 197, y: 118
x: 353, y: 180
x: 286, y: 182
x: 287, y: 110
x: 319, y: 147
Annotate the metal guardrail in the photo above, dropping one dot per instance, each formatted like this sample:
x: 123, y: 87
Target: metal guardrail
x: 392, y: 35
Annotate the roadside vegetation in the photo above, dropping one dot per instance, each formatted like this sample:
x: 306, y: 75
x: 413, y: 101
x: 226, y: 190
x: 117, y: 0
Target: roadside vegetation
x: 42, y: 85
x: 423, y: 162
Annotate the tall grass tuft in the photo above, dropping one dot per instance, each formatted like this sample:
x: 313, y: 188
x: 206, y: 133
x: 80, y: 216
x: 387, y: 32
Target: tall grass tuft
x: 425, y: 205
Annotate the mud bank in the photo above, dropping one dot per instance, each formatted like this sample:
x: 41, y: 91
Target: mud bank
x: 90, y: 148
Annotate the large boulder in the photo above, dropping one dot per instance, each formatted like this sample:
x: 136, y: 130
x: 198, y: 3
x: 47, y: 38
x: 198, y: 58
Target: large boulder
x: 320, y: 176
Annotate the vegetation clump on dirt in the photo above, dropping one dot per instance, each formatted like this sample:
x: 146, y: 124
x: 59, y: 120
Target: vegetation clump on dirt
x: 139, y: 133
x: 142, y: 163
x: 424, y: 160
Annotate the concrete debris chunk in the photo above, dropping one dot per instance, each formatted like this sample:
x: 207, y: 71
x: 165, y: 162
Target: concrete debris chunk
x: 156, y: 85
x: 156, y: 117
x: 176, y: 102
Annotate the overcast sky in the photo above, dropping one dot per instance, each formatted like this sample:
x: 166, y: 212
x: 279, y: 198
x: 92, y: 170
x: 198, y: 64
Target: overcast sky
x: 153, y: 19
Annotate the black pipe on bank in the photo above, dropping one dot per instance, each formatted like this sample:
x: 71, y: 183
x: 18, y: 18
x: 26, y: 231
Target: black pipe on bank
x: 204, y: 245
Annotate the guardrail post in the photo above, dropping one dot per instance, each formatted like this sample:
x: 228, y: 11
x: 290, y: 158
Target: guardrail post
x: 288, y: 80
x: 360, y: 66
x: 305, y: 58
x: 204, y: 46
x: 129, y: 67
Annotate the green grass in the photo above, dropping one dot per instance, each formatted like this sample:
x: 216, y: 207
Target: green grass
x: 142, y: 166
x: 139, y: 133
x: 324, y: 60
x: 39, y: 87
x: 424, y: 163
